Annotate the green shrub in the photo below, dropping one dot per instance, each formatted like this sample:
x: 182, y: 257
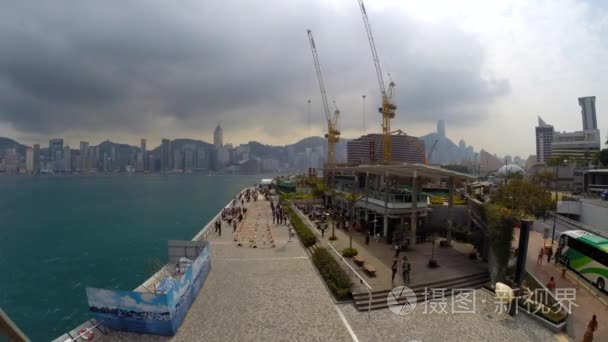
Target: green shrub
x: 337, y: 280
x: 552, y: 315
x: 306, y: 235
x: 349, y: 252
x: 461, y: 234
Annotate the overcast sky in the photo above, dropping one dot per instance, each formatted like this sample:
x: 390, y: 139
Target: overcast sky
x: 90, y: 70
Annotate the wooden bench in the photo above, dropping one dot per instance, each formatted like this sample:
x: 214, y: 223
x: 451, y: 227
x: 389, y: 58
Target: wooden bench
x: 358, y: 260
x: 369, y: 270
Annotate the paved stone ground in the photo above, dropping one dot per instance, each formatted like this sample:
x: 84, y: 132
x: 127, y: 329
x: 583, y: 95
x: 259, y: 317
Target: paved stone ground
x: 276, y: 294
x: 261, y: 294
x: 485, y: 325
x: 454, y: 262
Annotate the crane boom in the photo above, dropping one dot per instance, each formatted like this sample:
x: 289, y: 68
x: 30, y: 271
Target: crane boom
x: 372, y: 45
x: 388, y: 108
x: 319, y: 74
x: 333, y: 134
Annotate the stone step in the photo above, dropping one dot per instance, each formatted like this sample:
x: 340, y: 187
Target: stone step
x: 379, y: 299
x: 472, y: 284
x: 436, y: 284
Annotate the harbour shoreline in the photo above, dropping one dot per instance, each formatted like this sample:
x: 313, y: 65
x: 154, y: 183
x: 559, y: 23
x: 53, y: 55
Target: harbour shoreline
x: 74, y: 334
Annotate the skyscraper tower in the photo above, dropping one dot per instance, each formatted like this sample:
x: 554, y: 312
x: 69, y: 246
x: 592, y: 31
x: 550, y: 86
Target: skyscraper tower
x: 56, y: 149
x: 218, y: 137
x: 84, y: 155
x: 441, y: 128
x: 165, y: 155
x: 588, y: 112
x: 144, y: 154
x: 67, y: 159
x: 36, y: 158
x: 544, y: 138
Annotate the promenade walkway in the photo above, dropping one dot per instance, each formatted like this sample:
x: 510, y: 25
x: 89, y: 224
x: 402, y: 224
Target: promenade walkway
x: 588, y: 300
x: 258, y: 294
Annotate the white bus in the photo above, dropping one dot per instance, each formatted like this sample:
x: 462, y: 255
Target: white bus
x: 586, y: 254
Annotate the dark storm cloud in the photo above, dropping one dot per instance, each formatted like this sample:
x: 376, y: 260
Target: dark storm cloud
x: 92, y: 65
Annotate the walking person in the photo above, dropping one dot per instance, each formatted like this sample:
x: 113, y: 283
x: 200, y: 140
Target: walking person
x: 406, y: 268
x: 558, y: 255
x: 591, y: 328
x: 539, y: 261
x: 394, y: 269
x: 219, y: 229
x: 549, y: 255
x: 289, y: 230
x: 551, y: 285
x: 234, y: 227
x: 397, y: 250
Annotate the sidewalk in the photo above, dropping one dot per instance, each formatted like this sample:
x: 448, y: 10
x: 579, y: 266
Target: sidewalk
x: 586, y: 301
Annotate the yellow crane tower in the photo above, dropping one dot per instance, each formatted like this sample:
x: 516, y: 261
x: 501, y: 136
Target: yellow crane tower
x: 388, y: 108
x: 333, y: 134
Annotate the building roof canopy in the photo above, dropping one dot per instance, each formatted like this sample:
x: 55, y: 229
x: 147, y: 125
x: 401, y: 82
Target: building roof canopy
x: 405, y: 170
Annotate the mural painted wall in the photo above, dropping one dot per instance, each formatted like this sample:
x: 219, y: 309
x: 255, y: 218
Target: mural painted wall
x: 150, y: 313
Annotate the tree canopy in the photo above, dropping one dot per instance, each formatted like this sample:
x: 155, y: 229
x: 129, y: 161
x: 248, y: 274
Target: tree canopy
x: 524, y: 199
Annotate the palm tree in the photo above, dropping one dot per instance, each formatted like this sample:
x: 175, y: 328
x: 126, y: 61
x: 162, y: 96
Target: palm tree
x: 352, y: 199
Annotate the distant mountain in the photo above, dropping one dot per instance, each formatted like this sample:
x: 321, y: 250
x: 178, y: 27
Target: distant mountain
x: 256, y: 149
x: 6, y: 143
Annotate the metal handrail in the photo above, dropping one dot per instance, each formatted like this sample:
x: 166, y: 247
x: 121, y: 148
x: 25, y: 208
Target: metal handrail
x: 581, y: 226
x: 10, y: 329
x: 86, y: 331
x: 204, y: 233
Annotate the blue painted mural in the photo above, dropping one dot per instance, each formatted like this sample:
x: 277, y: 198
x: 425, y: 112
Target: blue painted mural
x: 151, y: 313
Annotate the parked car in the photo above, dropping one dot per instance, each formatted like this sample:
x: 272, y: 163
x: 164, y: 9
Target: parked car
x: 604, y: 195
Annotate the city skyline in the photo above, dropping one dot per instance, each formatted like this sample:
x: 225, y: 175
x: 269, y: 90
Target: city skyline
x: 485, y: 70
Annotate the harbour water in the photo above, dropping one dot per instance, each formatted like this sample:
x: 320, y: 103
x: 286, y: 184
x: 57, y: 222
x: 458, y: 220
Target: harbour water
x: 59, y: 234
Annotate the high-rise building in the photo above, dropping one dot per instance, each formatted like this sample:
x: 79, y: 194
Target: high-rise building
x: 202, y: 162
x: 441, y: 128
x: 368, y: 148
x: 580, y: 145
x: 36, y: 158
x: 188, y: 159
x: 56, y: 150
x: 84, y: 155
x: 165, y: 155
x: 588, y: 112
x: 67, y: 159
x: 218, y: 137
x: 139, y: 161
x: 178, y: 160
x: 544, y: 138
x: 489, y: 162
x: 93, y: 158
x: 144, y: 154
x: 29, y: 160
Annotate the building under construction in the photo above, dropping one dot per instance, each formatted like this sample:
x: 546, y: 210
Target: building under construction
x: 367, y: 149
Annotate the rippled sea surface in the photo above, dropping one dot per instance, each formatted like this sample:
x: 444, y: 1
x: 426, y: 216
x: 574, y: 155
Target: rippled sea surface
x: 59, y: 234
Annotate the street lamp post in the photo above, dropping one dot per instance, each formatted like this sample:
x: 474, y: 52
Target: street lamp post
x: 565, y: 162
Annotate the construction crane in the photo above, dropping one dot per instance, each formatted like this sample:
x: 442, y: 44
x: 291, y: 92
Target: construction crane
x: 388, y: 108
x: 432, y: 150
x: 333, y: 134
